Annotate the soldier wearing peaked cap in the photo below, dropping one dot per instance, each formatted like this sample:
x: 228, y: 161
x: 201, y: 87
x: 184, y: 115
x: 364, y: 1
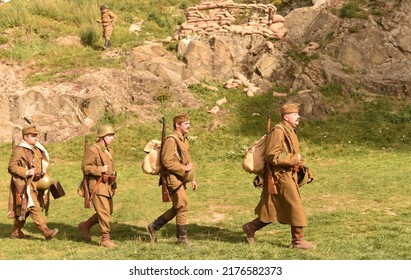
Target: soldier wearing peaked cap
x: 176, y: 159
x: 27, y: 165
x: 99, y: 166
x: 286, y: 207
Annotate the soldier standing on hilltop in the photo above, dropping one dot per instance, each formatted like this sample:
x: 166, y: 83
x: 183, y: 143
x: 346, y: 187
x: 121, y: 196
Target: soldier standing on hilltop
x: 107, y: 20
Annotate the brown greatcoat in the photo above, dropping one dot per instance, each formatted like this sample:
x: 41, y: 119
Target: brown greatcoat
x: 175, y: 154
x: 95, y: 157
x: 21, y: 160
x: 285, y: 207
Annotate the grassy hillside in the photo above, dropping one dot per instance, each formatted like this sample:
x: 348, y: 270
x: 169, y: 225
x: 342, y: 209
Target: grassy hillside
x: 358, y: 206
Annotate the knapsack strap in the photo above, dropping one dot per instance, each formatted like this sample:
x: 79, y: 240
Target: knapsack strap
x: 286, y: 136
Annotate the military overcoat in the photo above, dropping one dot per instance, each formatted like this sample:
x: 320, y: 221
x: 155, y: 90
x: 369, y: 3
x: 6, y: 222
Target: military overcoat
x: 281, y: 152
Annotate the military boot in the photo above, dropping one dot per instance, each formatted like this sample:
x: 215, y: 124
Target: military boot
x: 49, y: 233
x: 251, y: 227
x: 182, y: 238
x: 106, y: 242
x: 297, y: 239
x: 85, y: 227
x: 153, y: 227
x: 108, y: 44
x: 18, y: 234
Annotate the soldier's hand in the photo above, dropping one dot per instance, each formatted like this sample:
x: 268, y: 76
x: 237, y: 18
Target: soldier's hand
x: 31, y: 172
x: 189, y: 166
x: 195, y: 186
x: 104, y: 168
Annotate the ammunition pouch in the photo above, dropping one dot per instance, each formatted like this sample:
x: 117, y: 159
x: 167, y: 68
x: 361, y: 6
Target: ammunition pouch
x: 110, y: 179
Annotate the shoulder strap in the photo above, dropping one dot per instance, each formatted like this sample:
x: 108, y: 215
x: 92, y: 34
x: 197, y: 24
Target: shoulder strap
x: 178, y: 145
x: 99, y: 151
x: 286, y: 136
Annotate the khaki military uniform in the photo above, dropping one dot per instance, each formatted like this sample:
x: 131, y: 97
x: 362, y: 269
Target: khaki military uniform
x: 23, y: 158
x: 101, y: 188
x: 107, y: 20
x: 285, y: 207
x: 175, y: 154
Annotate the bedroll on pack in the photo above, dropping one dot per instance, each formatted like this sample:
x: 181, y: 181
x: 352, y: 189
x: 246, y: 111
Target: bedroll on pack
x: 151, y: 161
x: 254, y: 158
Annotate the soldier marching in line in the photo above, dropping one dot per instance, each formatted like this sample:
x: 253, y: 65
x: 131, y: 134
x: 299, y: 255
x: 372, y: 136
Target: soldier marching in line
x: 283, y: 154
x: 99, y: 166
x: 28, y: 166
x: 176, y: 159
x: 107, y: 20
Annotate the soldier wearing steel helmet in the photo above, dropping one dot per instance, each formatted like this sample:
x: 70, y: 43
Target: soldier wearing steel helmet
x: 99, y: 166
x: 27, y: 166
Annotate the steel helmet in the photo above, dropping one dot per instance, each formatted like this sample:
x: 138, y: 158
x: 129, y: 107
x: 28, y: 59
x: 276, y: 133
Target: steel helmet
x: 104, y: 130
x: 44, y: 183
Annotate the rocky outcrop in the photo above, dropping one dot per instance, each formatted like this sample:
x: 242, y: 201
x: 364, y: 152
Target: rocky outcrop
x: 372, y: 56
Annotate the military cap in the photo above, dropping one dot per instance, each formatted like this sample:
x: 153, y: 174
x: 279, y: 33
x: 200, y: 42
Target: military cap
x: 290, y: 108
x: 30, y: 130
x: 180, y: 118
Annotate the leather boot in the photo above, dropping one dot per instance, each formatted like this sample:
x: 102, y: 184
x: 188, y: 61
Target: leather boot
x: 182, y: 238
x: 153, y: 227
x: 49, y: 233
x: 297, y: 239
x: 106, y: 242
x: 84, y: 227
x: 251, y: 227
x: 18, y: 234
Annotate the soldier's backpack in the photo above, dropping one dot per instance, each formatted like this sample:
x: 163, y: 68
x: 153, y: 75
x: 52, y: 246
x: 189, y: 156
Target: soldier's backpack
x: 254, y: 157
x: 151, y: 161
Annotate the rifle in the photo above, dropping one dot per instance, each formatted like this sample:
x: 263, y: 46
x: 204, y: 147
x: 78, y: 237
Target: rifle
x: 164, y: 190
x: 268, y: 175
x: 84, y: 181
x: 12, y: 193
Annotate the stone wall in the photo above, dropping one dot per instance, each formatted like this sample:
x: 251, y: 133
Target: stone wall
x: 228, y: 17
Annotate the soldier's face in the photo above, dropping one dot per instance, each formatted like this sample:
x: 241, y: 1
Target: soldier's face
x: 109, y: 138
x: 183, y: 127
x: 293, y: 119
x: 31, y: 139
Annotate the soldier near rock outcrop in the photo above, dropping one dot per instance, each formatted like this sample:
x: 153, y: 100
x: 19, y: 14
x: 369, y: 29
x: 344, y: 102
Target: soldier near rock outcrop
x: 98, y: 165
x: 27, y: 166
x: 107, y: 20
x: 282, y: 152
x: 176, y: 159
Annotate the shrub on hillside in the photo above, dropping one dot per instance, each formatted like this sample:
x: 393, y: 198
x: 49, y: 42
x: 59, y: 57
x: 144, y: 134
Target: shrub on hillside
x: 88, y: 36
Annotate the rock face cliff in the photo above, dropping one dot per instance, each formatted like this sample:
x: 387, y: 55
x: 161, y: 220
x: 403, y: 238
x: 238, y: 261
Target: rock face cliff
x: 314, y: 48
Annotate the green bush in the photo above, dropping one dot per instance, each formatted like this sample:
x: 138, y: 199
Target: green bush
x: 88, y: 36
x: 352, y: 10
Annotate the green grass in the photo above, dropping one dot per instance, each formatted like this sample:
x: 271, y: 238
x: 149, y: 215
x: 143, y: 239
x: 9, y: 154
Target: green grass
x: 358, y: 206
